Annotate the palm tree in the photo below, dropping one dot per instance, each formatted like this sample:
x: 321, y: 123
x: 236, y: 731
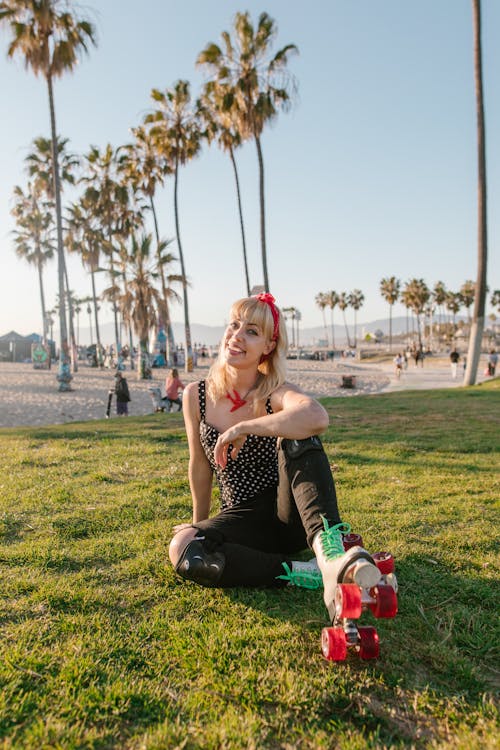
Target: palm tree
x: 321, y: 301
x: 343, y: 304
x: 495, y: 300
x: 108, y: 198
x: 332, y: 300
x: 176, y: 133
x: 389, y: 289
x: 84, y: 236
x: 257, y: 87
x: 467, y: 294
x: 453, y: 304
x: 356, y: 299
x: 439, y: 297
x: 145, y: 170
x: 39, y: 164
x: 415, y: 296
x: 40, y: 168
x: 34, y: 237
x: 49, y: 38
x: 141, y: 299
x: 476, y: 333
x: 293, y: 314
x: 219, y: 125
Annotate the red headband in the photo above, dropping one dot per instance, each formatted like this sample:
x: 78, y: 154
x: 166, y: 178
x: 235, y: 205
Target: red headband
x: 268, y: 299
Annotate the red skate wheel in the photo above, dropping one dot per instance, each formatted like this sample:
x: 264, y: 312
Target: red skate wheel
x: 333, y: 644
x: 384, y: 562
x: 348, y: 600
x: 386, y: 601
x: 368, y: 642
x: 352, y: 540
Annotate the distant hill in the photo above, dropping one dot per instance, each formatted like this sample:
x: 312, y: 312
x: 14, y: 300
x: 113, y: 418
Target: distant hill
x: 211, y: 335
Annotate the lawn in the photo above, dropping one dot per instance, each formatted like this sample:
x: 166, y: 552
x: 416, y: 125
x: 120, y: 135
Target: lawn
x: 102, y: 646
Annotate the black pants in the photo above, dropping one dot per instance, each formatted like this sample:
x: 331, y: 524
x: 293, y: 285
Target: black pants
x: 258, y: 536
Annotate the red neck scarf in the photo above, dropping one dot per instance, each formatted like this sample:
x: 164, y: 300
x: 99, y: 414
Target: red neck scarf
x: 237, y: 401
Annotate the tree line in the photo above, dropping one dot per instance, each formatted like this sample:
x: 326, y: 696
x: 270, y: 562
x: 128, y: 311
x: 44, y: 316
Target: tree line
x: 247, y: 86
x: 414, y: 294
x: 246, y: 89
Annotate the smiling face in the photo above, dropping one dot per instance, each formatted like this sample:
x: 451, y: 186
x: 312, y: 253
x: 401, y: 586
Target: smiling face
x: 245, y: 343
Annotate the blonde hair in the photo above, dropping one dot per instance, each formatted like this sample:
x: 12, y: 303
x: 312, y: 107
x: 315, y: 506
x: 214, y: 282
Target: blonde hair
x: 272, y: 369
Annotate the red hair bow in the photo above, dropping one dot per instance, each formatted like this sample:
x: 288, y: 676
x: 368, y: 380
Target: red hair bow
x: 268, y: 299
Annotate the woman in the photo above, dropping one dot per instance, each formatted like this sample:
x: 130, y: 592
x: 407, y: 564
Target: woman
x: 173, y: 385
x: 259, y: 435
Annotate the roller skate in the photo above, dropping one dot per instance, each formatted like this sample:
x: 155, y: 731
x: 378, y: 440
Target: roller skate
x: 354, y: 582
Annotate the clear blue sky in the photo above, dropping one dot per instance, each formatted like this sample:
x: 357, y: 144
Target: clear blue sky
x: 373, y: 173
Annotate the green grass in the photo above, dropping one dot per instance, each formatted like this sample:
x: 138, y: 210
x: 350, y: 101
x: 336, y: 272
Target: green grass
x: 102, y: 646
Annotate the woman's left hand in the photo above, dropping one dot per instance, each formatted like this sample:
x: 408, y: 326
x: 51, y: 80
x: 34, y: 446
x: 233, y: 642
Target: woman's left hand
x: 233, y: 438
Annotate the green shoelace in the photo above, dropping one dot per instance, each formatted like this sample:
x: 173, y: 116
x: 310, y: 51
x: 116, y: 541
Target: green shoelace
x: 306, y: 579
x: 331, y: 538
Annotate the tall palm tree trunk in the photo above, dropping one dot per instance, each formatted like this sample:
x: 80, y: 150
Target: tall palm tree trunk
x: 324, y: 324
x: 64, y: 375
x: 242, y: 226
x: 346, y: 330
x: 390, y: 328
x: 100, y: 363
x: 262, y: 214
x: 167, y: 322
x: 477, y: 327
x: 333, y: 328
x: 74, y: 350
x: 419, y: 331
x: 188, y: 355
x: 42, y: 302
x: 131, y: 347
x: 115, y: 307
x: 143, y: 372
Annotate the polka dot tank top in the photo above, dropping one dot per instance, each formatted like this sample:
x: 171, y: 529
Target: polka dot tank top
x: 254, y: 470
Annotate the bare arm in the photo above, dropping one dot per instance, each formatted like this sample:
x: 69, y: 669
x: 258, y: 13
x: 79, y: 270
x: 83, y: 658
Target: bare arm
x: 200, y: 471
x: 295, y: 416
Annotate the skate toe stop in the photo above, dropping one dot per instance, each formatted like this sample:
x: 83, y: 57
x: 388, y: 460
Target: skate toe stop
x: 366, y: 574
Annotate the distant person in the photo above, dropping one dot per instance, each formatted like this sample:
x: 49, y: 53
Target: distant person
x: 172, y: 387
x: 398, y: 364
x: 122, y: 395
x: 419, y: 357
x: 492, y: 363
x: 454, y: 359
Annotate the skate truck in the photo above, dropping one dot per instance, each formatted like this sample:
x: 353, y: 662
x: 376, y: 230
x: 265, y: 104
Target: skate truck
x: 351, y: 600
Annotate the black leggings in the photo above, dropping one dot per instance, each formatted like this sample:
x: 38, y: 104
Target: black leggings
x: 258, y: 536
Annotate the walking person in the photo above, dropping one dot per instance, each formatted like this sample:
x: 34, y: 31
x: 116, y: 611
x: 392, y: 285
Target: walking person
x: 492, y: 363
x: 398, y: 364
x: 454, y: 359
x: 259, y: 436
x: 122, y: 394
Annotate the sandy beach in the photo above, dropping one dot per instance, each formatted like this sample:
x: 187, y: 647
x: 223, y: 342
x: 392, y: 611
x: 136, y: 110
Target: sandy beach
x: 30, y: 397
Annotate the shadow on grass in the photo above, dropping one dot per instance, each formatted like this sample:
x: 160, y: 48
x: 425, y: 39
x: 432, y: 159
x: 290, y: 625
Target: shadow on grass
x: 446, y: 632
x: 152, y: 428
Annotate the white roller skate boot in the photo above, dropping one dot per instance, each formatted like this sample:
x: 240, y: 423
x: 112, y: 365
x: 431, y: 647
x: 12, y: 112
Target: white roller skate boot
x: 337, y: 566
